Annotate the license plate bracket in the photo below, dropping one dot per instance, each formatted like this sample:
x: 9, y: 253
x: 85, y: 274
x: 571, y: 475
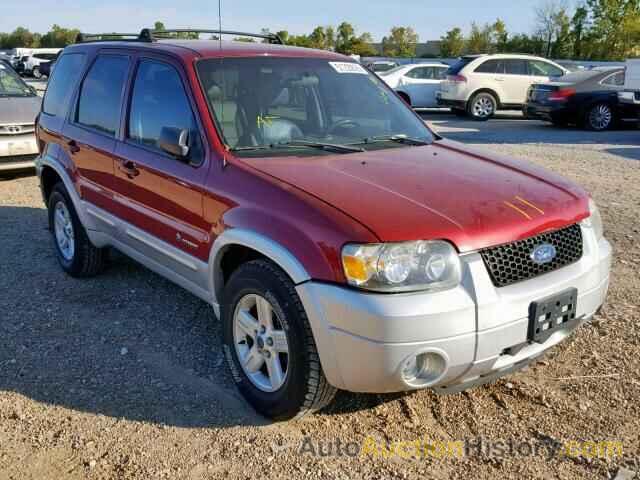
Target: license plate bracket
x: 551, y: 314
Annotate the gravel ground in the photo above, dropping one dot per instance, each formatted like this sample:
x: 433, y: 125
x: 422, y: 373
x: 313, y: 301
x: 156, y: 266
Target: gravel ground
x: 122, y: 376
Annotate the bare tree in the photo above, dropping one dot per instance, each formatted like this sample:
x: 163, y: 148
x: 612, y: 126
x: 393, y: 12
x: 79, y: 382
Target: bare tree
x: 547, y: 19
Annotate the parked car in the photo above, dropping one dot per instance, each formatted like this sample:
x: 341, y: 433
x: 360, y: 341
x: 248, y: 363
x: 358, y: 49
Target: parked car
x: 19, y: 105
x: 381, y: 66
x: 47, y: 67
x: 18, y: 53
x: 341, y: 242
x: 417, y: 83
x: 37, y: 59
x: 629, y: 97
x: 479, y: 85
x: 587, y: 98
x: 19, y: 66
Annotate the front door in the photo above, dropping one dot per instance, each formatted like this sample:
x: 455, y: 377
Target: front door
x: 162, y: 194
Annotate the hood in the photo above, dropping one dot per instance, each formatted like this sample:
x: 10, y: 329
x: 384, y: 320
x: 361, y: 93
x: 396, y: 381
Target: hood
x: 19, y: 110
x: 442, y: 191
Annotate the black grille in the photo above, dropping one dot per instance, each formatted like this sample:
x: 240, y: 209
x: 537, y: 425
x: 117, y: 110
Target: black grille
x: 511, y: 263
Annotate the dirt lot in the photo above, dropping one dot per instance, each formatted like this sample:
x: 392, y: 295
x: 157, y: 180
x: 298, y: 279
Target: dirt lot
x: 122, y: 376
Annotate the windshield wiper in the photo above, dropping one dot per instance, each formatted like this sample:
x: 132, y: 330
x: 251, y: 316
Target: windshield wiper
x: 301, y: 143
x: 398, y: 139
x: 324, y: 146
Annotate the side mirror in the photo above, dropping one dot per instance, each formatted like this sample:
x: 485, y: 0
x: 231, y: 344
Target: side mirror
x: 174, y: 141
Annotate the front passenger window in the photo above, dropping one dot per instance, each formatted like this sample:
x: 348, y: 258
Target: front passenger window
x: 158, y: 101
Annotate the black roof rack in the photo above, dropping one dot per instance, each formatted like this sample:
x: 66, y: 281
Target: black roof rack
x: 148, y: 35
x: 163, y: 34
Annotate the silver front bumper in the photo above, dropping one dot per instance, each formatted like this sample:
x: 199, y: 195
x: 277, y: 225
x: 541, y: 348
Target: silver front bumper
x: 364, y: 339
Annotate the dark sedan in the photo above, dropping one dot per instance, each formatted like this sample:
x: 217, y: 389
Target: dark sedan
x: 586, y: 98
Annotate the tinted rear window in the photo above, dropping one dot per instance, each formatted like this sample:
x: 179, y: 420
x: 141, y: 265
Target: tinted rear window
x: 101, y: 94
x: 459, y: 65
x: 490, y: 66
x: 64, y: 78
x: 516, y: 67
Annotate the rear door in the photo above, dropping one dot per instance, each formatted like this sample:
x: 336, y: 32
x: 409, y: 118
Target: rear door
x: 163, y: 208
x: 90, y: 135
x: 516, y: 81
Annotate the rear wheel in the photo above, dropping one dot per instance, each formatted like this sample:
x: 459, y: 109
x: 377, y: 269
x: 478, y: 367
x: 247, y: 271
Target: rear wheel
x: 75, y: 252
x: 482, y: 106
x: 269, y: 345
x: 36, y: 72
x: 600, y: 117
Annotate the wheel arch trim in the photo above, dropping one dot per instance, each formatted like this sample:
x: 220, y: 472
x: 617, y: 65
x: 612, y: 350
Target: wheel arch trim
x: 261, y: 244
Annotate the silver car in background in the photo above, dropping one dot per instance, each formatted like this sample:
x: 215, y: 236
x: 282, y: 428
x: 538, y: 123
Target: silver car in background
x: 417, y: 83
x: 19, y: 106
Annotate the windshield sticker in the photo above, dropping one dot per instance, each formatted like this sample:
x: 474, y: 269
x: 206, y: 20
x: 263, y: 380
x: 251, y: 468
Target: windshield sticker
x: 348, y: 67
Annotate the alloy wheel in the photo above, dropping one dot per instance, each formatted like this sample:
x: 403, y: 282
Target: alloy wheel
x: 261, y: 343
x: 483, y: 106
x: 63, y: 228
x: 600, y: 117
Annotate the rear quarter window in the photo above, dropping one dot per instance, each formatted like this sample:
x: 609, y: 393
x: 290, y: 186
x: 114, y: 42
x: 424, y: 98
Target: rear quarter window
x: 101, y: 94
x: 63, y: 80
x: 457, y: 67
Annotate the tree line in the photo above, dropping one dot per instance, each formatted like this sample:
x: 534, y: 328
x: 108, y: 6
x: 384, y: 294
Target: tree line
x: 594, y: 30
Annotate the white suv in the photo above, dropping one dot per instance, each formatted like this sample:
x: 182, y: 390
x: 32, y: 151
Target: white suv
x: 478, y: 85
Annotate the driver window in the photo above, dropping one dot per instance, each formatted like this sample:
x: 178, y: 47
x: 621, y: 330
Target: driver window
x: 158, y: 101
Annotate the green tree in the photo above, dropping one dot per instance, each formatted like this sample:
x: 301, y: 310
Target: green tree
x: 615, y: 27
x: 284, y: 36
x: 578, y: 30
x: 400, y: 43
x: 452, y: 43
x: 500, y: 35
x: 159, y: 26
x: 59, y: 37
x: 348, y: 43
x: 479, y: 40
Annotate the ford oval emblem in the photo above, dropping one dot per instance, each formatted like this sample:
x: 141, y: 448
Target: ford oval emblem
x: 544, y: 253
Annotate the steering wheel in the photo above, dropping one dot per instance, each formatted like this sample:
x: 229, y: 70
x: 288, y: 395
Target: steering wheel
x: 344, y: 123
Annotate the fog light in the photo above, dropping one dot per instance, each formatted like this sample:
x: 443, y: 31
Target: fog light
x: 423, y: 369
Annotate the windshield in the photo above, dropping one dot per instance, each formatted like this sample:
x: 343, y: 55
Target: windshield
x: 11, y: 85
x: 262, y: 105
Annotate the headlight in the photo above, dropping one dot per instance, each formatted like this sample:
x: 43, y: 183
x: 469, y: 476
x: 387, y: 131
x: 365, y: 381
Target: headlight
x: 594, y: 220
x: 402, y: 267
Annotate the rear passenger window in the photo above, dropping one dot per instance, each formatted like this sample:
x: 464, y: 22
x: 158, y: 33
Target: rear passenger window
x: 516, y: 67
x: 101, y: 94
x: 615, y: 80
x: 490, y: 66
x: 158, y: 101
x: 64, y: 78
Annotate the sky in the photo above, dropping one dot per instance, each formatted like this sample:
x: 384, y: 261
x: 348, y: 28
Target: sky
x: 430, y: 18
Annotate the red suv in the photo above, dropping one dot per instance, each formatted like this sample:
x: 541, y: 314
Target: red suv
x: 342, y: 243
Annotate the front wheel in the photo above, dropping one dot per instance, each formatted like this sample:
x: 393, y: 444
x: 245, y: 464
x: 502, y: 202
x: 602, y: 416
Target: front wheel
x: 36, y: 72
x: 269, y: 345
x: 75, y: 252
x: 600, y: 117
x: 482, y: 106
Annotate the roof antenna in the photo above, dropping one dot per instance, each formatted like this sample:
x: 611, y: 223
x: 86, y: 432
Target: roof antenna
x: 224, y: 155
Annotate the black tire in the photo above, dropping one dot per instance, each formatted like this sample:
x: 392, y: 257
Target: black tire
x: 474, y: 111
x: 600, y: 117
x: 459, y: 112
x: 87, y: 260
x: 305, y: 388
